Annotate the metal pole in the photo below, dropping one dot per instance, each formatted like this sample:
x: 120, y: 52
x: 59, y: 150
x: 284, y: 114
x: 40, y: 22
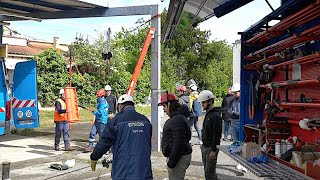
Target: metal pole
x: 1, y: 33
x: 5, y: 170
x: 155, y: 77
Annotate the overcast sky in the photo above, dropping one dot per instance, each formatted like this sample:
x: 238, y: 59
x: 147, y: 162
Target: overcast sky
x: 224, y: 28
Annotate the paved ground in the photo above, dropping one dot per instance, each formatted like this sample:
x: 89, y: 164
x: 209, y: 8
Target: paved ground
x: 31, y: 156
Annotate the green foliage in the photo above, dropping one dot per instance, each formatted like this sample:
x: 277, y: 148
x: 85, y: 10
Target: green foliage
x: 189, y: 54
x: 52, y: 75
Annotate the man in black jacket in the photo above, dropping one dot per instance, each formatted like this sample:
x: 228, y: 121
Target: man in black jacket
x: 111, y: 100
x: 226, y: 104
x: 176, y: 136
x: 211, y: 134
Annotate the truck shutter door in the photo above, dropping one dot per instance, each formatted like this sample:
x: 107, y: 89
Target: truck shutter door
x: 24, y: 95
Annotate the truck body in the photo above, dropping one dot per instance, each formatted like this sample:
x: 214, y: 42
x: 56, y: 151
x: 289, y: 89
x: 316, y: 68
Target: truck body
x: 280, y: 67
x: 18, y: 100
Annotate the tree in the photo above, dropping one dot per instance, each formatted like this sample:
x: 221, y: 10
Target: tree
x: 52, y: 75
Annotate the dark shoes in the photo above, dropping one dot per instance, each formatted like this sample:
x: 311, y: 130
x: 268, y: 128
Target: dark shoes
x: 57, y: 148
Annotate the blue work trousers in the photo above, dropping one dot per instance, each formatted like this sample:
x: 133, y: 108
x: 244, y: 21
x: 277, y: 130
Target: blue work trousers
x: 226, y: 125
x: 61, y: 127
x: 194, y: 121
x: 97, y: 128
x: 235, y: 128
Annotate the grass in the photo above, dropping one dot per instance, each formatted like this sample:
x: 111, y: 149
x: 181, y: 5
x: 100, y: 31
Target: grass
x: 145, y: 110
x: 46, y: 117
x: 217, y: 104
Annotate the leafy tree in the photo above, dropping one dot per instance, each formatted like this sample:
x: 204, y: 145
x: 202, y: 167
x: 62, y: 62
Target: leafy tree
x: 52, y: 75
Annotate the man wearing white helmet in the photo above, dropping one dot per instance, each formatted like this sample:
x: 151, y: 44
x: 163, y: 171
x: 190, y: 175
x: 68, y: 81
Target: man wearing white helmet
x: 60, y: 119
x: 111, y: 100
x: 129, y: 133
x: 195, y: 109
x: 211, y: 134
x: 235, y: 112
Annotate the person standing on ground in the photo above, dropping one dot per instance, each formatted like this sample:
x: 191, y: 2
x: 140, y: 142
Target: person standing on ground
x: 176, y: 136
x: 182, y: 97
x: 129, y: 132
x: 195, y: 111
x: 60, y: 119
x: 211, y: 134
x: 101, y: 118
x: 235, y: 112
x: 226, y: 103
x: 112, y: 101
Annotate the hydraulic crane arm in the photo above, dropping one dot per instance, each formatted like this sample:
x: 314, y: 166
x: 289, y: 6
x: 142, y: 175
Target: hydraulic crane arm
x: 140, y: 61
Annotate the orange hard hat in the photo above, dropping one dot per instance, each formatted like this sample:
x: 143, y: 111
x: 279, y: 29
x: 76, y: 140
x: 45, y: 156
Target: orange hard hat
x: 182, y: 88
x: 166, y: 97
x: 100, y: 93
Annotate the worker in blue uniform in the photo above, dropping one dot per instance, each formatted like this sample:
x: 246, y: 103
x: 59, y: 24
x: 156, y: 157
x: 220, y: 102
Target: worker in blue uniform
x: 130, y: 135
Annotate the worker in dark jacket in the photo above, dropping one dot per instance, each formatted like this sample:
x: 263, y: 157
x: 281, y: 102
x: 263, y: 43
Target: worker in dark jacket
x: 211, y: 134
x: 235, y: 112
x: 176, y: 136
x: 130, y: 135
x: 182, y: 97
x: 226, y: 104
x: 60, y: 119
x: 111, y: 100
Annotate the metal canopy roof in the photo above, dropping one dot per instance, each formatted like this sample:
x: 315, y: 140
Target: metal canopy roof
x: 201, y: 9
x: 32, y: 9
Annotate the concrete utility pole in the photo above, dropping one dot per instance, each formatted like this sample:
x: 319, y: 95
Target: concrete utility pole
x: 155, y: 77
x: 5, y: 170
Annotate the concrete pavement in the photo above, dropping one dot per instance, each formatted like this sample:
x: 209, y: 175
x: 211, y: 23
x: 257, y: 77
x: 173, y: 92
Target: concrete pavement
x: 32, y: 155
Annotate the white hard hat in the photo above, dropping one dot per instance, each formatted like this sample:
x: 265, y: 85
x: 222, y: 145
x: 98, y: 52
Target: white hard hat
x: 205, y: 95
x: 193, y: 87
x: 125, y: 98
x: 235, y: 87
x: 61, y: 91
x: 107, y: 88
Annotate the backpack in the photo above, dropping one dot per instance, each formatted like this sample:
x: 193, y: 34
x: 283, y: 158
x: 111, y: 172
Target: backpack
x: 196, y: 108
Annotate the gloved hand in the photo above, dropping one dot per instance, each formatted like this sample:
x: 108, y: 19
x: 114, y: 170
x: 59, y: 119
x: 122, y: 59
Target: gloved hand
x: 93, y: 165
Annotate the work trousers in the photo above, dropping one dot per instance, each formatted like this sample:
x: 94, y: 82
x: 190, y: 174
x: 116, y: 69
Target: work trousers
x: 235, y: 129
x: 209, y: 164
x: 179, y: 171
x: 61, y: 127
x: 194, y: 121
x: 226, y: 125
x: 97, y: 128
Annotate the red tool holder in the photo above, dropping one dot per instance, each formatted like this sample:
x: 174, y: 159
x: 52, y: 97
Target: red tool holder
x: 305, y: 15
x: 289, y: 83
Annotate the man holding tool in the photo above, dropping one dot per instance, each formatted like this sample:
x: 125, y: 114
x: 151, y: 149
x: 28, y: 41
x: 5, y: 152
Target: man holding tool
x: 101, y: 118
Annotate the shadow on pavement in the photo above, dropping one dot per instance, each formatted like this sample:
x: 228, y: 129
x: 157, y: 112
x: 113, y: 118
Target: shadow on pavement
x: 11, y: 146
x: 41, y: 152
x: 43, y: 147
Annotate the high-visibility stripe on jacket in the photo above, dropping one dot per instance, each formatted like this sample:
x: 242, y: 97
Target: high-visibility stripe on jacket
x: 60, y: 117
